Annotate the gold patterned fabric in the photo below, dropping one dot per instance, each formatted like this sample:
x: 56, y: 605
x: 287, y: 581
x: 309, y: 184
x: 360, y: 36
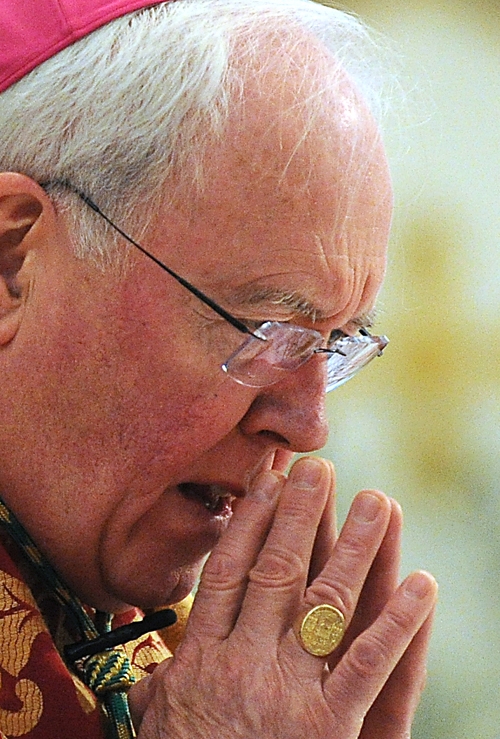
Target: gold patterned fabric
x: 40, y: 698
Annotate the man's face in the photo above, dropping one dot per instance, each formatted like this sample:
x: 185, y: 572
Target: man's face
x: 132, y: 428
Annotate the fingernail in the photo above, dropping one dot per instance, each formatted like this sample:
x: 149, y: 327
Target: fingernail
x: 419, y: 585
x: 264, y: 486
x: 307, y: 473
x: 366, y: 507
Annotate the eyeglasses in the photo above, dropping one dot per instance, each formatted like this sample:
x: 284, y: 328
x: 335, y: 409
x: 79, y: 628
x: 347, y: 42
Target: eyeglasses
x: 274, y: 349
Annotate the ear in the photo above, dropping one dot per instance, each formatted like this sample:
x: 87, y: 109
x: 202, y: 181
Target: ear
x: 22, y: 202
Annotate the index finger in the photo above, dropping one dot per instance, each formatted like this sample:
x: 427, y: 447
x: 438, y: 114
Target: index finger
x: 225, y: 575
x: 258, y: 571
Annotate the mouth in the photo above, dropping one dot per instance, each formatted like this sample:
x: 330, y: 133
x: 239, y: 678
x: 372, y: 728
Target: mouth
x: 217, y: 499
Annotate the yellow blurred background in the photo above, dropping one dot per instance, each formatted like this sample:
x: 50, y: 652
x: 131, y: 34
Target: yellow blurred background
x: 423, y: 423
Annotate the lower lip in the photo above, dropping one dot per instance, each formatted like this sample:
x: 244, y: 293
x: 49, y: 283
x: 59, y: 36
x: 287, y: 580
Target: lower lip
x: 222, y: 509
x: 220, y: 512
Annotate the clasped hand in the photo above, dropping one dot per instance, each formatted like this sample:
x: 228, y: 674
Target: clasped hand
x: 240, y: 670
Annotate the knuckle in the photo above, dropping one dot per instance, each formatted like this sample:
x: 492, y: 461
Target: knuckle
x: 352, y: 547
x: 401, y: 623
x: 334, y: 592
x: 278, y: 568
x: 297, y: 508
x: 368, y: 658
x: 220, y: 573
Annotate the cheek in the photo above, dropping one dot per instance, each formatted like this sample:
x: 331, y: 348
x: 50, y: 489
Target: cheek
x: 173, y: 427
x: 152, y: 532
x: 170, y: 364
x: 207, y: 419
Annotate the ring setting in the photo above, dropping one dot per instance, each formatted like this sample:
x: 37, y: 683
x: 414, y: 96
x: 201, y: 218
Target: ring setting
x: 320, y: 630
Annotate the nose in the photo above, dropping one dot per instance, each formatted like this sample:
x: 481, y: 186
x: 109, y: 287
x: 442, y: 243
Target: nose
x: 292, y: 412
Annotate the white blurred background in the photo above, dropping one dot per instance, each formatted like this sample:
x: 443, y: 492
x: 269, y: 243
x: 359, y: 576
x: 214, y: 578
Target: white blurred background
x: 423, y: 423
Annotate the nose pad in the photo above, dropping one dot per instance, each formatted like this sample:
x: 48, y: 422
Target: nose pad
x: 292, y: 412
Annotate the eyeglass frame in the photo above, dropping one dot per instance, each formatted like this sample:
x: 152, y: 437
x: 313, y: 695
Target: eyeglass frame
x: 337, y: 335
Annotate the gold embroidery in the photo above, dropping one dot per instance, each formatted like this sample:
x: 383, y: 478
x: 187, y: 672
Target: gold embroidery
x: 145, y: 654
x: 20, y: 624
x: 21, y: 722
x: 173, y: 635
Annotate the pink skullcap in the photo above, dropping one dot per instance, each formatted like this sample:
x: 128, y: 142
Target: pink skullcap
x: 31, y: 31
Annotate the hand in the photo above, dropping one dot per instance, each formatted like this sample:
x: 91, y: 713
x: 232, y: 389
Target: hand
x: 240, y: 671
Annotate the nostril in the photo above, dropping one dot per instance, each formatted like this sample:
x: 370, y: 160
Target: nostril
x: 275, y: 438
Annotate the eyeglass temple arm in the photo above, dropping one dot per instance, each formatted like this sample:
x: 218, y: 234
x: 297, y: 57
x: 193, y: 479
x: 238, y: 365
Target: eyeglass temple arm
x: 192, y: 289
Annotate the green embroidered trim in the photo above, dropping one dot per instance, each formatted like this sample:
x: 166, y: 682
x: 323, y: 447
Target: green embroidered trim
x: 108, y: 674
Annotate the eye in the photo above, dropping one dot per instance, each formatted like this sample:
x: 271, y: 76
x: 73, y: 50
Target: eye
x: 254, y: 325
x: 335, y: 335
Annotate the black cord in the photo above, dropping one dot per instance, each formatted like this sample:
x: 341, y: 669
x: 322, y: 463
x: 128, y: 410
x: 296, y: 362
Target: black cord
x: 121, y: 635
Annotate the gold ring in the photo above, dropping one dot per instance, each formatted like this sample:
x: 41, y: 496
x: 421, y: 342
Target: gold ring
x: 320, y: 630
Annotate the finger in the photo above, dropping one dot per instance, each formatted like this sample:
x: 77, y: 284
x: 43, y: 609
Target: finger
x: 364, y: 670
x: 142, y: 694
x: 341, y: 581
x: 282, y: 459
x: 383, y: 578
x: 278, y: 579
x: 380, y: 584
x: 327, y: 533
x: 392, y: 714
x: 139, y: 697
x: 224, y: 579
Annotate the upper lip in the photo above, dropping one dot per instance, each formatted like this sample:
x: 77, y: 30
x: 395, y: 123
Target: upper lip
x: 221, y: 489
x: 226, y: 487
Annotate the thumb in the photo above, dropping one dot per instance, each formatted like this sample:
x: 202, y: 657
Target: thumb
x: 142, y: 693
x: 139, y: 697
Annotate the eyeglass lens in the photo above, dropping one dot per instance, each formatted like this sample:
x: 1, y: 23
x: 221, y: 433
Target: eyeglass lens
x: 258, y: 363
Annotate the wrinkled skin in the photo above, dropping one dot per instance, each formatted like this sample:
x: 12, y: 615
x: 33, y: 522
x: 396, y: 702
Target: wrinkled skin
x: 241, y: 672
x: 113, y: 397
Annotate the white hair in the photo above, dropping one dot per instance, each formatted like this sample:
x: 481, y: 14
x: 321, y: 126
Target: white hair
x: 135, y: 104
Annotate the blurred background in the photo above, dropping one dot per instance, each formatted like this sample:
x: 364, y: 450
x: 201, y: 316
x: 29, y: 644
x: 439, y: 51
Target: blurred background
x: 423, y: 424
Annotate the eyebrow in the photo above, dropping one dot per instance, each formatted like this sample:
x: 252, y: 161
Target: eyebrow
x: 248, y: 296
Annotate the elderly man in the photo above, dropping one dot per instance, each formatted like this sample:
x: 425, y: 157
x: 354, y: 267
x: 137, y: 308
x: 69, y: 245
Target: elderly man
x: 194, y: 211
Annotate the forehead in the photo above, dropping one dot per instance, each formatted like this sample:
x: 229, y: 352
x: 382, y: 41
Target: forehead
x: 297, y: 202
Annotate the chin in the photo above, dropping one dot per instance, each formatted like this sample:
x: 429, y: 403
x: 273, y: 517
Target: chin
x: 154, y: 593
